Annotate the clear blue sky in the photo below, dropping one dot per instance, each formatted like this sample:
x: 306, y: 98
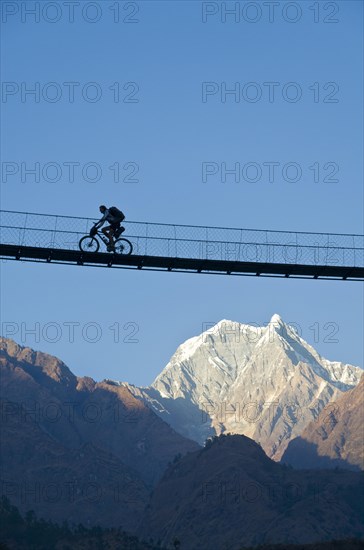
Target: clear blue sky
x: 169, y: 133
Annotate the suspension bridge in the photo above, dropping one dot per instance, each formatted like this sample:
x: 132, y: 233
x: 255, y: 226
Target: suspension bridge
x: 26, y: 236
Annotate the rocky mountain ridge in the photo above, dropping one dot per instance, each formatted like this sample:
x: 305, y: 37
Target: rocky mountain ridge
x: 73, y: 444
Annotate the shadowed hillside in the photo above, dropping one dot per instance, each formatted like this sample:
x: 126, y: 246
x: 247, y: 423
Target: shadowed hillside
x: 74, y: 448
x: 230, y: 494
x: 31, y: 533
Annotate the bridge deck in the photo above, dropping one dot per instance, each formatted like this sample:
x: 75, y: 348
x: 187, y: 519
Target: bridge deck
x: 37, y: 237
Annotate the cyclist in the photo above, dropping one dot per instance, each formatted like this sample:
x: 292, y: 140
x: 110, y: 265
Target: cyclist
x: 114, y: 216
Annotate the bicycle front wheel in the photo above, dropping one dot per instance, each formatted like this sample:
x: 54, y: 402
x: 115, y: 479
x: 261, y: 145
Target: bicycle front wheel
x: 123, y: 246
x: 89, y: 244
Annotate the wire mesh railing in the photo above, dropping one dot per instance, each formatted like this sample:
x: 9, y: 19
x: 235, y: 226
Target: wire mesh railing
x: 187, y: 241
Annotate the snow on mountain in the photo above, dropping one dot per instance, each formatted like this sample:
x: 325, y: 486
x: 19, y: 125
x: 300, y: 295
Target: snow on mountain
x: 263, y: 382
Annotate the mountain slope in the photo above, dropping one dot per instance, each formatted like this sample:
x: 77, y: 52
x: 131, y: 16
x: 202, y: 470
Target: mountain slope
x: 230, y: 494
x: 80, y: 485
x: 264, y: 382
x: 335, y: 438
x: 78, y: 435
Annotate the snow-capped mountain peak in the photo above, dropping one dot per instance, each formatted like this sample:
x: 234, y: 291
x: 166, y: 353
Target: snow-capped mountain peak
x: 214, y: 378
x: 276, y: 319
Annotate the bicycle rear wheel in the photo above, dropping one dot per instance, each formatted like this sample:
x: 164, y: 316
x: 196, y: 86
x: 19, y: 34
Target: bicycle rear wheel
x: 123, y: 246
x: 89, y: 244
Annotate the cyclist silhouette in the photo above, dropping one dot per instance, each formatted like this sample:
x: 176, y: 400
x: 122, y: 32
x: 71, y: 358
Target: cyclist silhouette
x: 114, y: 216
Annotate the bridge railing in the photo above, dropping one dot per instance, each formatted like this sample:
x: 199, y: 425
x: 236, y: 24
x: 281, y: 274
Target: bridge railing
x: 186, y: 241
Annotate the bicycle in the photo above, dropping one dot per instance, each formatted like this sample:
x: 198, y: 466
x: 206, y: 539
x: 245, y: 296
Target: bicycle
x: 90, y: 243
